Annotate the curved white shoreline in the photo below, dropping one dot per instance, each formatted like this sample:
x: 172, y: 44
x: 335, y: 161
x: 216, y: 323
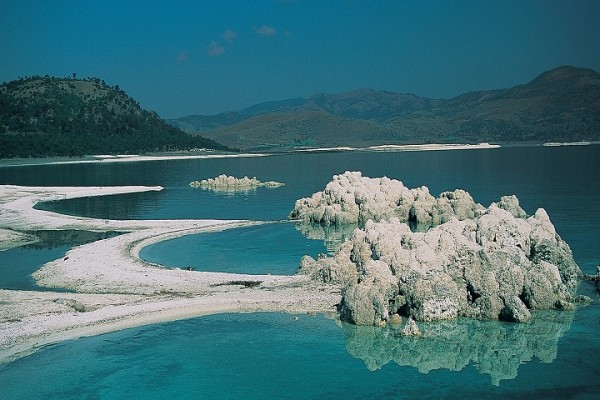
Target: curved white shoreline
x: 558, y: 144
x: 106, y: 158
x: 433, y: 147
x: 406, y: 147
x: 116, y: 288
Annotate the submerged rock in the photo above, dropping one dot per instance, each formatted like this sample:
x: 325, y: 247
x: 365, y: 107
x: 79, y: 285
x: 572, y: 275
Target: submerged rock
x: 595, y: 278
x: 332, y: 235
x: 233, y: 184
x: 489, y: 263
x: 395, y: 319
x: 583, y: 299
x: 411, y: 328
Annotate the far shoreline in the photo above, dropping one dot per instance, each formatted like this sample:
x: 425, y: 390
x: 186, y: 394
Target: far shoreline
x: 112, y: 158
x: 209, y: 154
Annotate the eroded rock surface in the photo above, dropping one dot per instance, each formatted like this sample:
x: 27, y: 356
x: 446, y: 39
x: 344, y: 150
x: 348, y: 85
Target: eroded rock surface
x: 492, y: 263
x: 233, y: 184
x: 351, y: 198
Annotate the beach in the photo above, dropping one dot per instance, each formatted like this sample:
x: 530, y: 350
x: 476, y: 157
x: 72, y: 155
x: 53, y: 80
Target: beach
x: 406, y: 147
x: 109, y: 158
x: 111, y: 288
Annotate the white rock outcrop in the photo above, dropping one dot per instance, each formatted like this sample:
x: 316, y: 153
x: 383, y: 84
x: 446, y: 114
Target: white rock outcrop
x: 233, y: 184
x: 351, y: 198
x: 411, y: 328
x: 492, y: 263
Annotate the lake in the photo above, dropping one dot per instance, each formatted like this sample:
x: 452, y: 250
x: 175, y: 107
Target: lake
x: 282, y: 356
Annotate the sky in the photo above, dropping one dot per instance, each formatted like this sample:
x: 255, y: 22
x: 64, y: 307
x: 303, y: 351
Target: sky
x: 205, y: 57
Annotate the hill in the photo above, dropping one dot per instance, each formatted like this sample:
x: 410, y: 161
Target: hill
x: 45, y: 116
x: 559, y: 105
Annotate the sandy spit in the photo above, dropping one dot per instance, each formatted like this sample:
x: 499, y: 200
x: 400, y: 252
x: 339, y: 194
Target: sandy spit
x: 407, y: 147
x: 433, y: 147
x: 113, y: 289
x: 108, y: 158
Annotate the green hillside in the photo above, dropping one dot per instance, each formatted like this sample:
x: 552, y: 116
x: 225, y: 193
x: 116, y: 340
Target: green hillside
x: 45, y: 117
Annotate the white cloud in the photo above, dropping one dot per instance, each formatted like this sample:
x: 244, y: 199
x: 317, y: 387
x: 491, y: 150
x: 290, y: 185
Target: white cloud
x: 266, y: 30
x: 215, y: 49
x: 230, y: 35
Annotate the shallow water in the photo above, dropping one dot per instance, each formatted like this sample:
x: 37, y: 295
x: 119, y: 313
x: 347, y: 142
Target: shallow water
x: 247, y: 250
x: 277, y: 356
x: 17, y: 265
x: 255, y: 356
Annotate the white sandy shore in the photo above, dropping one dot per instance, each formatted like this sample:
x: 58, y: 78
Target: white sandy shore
x: 432, y: 147
x: 323, y: 149
x: 107, y: 158
x: 556, y: 144
x: 407, y: 147
x: 115, y: 289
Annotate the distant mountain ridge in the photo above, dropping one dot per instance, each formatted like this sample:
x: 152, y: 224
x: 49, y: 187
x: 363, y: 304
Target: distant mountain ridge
x: 562, y: 104
x: 46, y: 116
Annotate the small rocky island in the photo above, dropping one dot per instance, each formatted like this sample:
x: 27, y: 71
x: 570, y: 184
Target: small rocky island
x: 226, y: 183
x: 463, y: 260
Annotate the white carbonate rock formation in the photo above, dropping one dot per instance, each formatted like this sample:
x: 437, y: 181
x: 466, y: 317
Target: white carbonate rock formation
x: 492, y: 263
x: 351, y: 198
x: 232, y: 184
x: 411, y: 328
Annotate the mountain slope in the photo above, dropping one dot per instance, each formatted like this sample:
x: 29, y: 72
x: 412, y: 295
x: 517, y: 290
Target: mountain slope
x: 197, y: 123
x: 42, y: 117
x: 285, y: 130
x: 369, y: 104
x: 559, y: 105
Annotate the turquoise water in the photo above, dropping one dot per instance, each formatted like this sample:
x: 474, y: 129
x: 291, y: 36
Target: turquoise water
x: 257, y: 356
x: 276, y: 356
x: 247, y: 250
x: 17, y: 265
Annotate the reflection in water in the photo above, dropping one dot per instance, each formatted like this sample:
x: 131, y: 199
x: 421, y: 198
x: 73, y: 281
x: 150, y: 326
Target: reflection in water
x: 494, y: 348
x: 332, y: 235
x: 17, y: 265
x: 230, y: 192
x: 49, y: 239
x: 118, y: 206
